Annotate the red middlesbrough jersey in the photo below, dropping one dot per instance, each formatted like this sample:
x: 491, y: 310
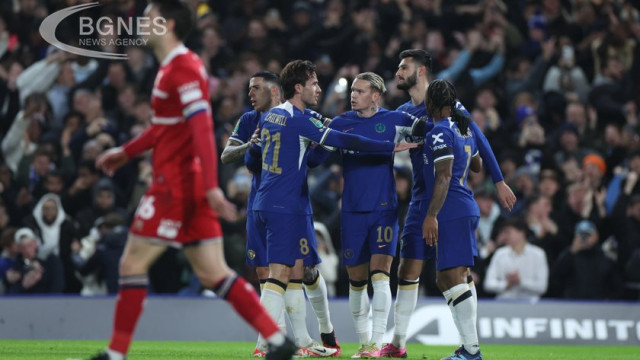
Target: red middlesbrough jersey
x: 180, y: 92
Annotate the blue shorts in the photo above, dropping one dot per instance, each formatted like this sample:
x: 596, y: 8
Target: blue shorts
x: 367, y: 233
x: 412, y: 245
x: 455, y: 242
x: 289, y: 237
x: 256, y: 240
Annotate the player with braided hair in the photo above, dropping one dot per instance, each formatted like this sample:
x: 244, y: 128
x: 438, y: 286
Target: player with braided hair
x: 452, y: 214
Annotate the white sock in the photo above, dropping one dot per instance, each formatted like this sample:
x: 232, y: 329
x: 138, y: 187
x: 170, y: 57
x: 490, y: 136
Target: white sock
x: 380, y: 306
x: 282, y: 324
x: 272, y: 299
x: 296, y: 307
x: 406, y: 300
x: 114, y: 355
x: 462, y: 306
x: 276, y: 339
x: 359, y: 305
x: 317, y: 294
x: 474, y: 292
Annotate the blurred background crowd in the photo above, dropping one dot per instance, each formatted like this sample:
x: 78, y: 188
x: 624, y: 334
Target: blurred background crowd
x: 552, y: 83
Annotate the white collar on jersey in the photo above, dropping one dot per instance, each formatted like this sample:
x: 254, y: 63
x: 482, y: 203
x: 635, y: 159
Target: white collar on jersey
x: 286, y: 106
x: 178, y: 50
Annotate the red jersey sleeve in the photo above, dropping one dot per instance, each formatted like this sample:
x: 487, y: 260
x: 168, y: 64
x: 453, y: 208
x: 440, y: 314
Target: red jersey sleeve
x: 190, y: 84
x: 140, y: 143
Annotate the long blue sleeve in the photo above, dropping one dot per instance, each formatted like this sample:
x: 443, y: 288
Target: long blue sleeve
x: 486, y: 153
x: 355, y: 142
x: 253, y: 159
x: 317, y: 156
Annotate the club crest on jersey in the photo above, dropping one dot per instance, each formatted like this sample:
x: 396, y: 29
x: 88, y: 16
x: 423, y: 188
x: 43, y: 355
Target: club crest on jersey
x: 380, y: 127
x: 316, y: 122
x: 437, y: 138
x: 251, y: 254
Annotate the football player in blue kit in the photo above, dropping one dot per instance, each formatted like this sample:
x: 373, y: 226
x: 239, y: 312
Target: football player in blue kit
x: 452, y: 214
x: 369, y: 218
x: 282, y: 200
x: 412, y: 75
x: 264, y: 94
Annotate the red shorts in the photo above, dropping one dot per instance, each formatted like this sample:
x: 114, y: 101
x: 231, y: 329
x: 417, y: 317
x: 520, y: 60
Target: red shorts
x: 173, y: 220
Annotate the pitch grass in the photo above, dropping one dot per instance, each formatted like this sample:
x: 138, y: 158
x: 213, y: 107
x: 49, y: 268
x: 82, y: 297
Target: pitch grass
x: 166, y: 350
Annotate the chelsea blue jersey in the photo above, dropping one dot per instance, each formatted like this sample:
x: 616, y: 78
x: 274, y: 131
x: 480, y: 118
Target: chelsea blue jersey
x: 446, y: 142
x: 286, y: 134
x: 369, y: 184
x: 418, y: 189
x: 242, y: 133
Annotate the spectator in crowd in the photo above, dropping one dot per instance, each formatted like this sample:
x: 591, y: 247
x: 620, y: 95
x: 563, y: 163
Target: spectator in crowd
x: 9, y: 255
x: 330, y: 259
x: 544, y: 228
x: 97, y: 256
x: 583, y: 271
x: 104, y: 202
x: 23, y: 135
x: 490, y: 221
x: 34, y: 273
x: 546, y: 72
x: 518, y: 270
x: 56, y: 234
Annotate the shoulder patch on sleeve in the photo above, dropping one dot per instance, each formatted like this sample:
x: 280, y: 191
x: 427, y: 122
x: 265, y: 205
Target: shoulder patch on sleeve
x: 316, y: 122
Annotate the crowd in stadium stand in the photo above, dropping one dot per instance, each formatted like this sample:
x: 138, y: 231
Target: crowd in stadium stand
x: 553, y: 84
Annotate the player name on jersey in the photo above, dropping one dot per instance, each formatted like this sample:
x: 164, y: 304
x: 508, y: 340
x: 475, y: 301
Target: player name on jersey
x: 276, y: 119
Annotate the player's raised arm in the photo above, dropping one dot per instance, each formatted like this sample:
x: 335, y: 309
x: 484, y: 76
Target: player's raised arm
x: 505, y: 194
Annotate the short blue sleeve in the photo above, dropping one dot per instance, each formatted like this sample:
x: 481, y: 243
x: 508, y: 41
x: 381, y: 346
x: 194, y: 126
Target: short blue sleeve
x: 244, y: 127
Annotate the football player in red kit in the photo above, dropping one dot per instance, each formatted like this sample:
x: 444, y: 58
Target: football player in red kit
x: 182, y: 206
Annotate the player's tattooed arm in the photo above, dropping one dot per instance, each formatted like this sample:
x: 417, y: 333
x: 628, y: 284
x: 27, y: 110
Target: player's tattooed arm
x: 234, y: 151
x: 430, y: 224
x: 441, y: 188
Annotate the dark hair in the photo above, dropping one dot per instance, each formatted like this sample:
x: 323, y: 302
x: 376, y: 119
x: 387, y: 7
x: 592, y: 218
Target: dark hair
x: 55, y: 173
x: 88, y: 164
x: 7, y: 237
x: 516, y: 223
x: 267, y: 76
x: 295, y: 72
x: 180, y: 12
x: 442, y: 93
x: 532, y: 199
x: 420, y: 56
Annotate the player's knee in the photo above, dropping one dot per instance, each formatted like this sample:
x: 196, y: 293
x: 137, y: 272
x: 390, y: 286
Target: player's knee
x: 262, y: 272
x: 311, y: 274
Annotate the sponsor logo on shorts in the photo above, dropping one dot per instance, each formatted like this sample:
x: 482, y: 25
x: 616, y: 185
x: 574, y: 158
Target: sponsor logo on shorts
x: 169, y: 228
